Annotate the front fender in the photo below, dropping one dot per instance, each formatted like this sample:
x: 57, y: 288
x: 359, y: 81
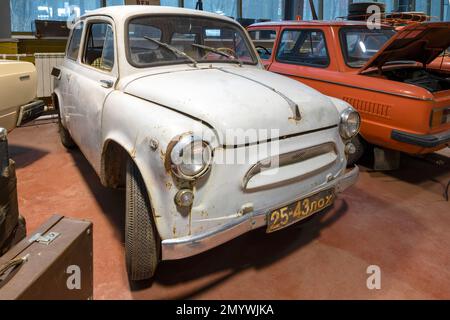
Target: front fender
x: 341, y: 105
x: 144, y: 130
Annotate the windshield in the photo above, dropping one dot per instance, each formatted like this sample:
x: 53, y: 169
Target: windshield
x: 156, y: 40
x: 361, y: 44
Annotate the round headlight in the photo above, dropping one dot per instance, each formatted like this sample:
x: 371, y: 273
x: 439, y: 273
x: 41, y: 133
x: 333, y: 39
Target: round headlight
x: 190, y: 157
x: 350, y: 123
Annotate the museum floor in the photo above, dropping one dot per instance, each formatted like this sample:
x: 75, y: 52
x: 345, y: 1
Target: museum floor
x: 398, y: 221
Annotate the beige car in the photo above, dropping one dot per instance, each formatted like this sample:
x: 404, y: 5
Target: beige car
x: 18, y: 104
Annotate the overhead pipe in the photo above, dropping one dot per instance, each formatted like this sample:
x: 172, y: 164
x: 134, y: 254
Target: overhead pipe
x: 313, y: 10
x: 199, y: 5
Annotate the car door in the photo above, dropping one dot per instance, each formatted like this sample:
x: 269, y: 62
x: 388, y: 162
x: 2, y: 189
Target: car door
x: 304, y: 54
x: 64, y: 74
x: 264, y: 40
x: 96, y: 79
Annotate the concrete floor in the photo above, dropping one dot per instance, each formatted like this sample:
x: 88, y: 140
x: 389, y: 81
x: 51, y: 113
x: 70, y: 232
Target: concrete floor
x: 398, y: 221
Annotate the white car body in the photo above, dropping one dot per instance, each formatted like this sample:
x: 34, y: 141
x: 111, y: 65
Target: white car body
x: 146, y: 108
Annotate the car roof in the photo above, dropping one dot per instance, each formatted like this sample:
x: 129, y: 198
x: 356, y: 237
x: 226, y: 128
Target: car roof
x: 122, y: 13
x: 319, y: 23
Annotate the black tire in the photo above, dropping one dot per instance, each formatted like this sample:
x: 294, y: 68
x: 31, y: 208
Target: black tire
x: 360, y: 146
x: 141, y: 239
x: 65, y: 137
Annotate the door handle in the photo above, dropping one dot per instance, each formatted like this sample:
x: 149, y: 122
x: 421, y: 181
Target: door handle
x: 107, y: 83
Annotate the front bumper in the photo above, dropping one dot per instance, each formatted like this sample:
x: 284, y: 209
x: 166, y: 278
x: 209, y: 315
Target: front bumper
x: 31, y: 112
x: 174, y: 249
x: 425, y: 141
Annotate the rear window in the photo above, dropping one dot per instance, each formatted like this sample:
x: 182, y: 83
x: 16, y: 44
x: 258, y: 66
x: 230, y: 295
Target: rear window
x: 359, y: 45
x: 303, y: 47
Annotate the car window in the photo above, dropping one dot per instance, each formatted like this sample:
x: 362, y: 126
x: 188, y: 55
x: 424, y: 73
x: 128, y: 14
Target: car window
x: 74, y: 43
x: 184, y: 42
x: 99, y: 52
x: 140, y: 48
x: 303, y: 47
x: 108, y: 50
x: 197, y: 37
x: 361, y: 44
x: 264, y: 41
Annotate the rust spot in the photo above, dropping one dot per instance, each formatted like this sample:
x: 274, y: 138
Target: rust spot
x: 293, y: 120
x: 174, y: 231
x: 133, y: 152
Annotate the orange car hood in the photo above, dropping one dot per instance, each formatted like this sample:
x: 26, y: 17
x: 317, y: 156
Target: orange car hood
x: 421, y: 42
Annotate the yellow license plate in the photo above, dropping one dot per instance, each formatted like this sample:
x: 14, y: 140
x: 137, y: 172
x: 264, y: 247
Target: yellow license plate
x: 299, y: 210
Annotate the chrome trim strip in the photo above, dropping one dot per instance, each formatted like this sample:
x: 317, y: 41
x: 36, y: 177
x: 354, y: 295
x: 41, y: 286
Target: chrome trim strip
x: 175, y: 249
x: 356, y: 87
x: 288, y: 158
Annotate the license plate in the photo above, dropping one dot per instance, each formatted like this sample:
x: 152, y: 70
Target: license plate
x: 299, y: 210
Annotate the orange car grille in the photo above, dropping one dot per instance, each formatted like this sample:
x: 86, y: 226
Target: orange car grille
x: 372, y: 108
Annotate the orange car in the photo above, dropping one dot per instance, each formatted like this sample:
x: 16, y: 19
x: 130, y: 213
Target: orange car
x: 442, y: 62
x: 404, y: 105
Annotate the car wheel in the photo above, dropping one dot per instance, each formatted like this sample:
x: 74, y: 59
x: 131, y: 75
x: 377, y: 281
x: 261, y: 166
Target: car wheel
x: 141, y: 239
x: 65, y: 137
x: 360, y: 148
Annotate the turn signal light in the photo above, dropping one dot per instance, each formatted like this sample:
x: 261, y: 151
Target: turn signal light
x: 439, y: 117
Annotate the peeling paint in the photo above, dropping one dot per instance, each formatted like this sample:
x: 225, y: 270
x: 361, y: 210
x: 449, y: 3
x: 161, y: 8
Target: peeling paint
x: 133, y: 151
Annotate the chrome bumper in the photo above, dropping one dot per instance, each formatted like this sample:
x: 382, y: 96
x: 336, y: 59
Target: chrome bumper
x: 174, y: 249
x: 31, y: 112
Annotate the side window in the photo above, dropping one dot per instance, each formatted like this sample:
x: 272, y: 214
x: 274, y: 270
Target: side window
x: 304, y: 47
x: 75, y: 41
x: 99, y: 51
x: 264, y: 41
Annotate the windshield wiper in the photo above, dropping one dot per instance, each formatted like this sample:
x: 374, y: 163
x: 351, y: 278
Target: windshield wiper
x: 172, y: 49
x: 221, y: 53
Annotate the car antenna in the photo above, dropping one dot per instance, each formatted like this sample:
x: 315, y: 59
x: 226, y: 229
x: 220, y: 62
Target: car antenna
x: 313, y: 10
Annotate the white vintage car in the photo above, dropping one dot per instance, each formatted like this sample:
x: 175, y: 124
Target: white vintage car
x: 175, y: 106
x: 18, y: 84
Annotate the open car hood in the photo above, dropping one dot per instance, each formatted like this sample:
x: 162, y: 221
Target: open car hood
x: 421, y: 42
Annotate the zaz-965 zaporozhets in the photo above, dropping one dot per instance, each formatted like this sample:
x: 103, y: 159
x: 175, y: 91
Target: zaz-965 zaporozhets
x: 176, y: 106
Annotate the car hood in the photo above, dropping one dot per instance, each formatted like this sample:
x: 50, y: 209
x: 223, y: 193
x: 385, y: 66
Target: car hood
x: 235, y: 98
x: 422, y: 42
